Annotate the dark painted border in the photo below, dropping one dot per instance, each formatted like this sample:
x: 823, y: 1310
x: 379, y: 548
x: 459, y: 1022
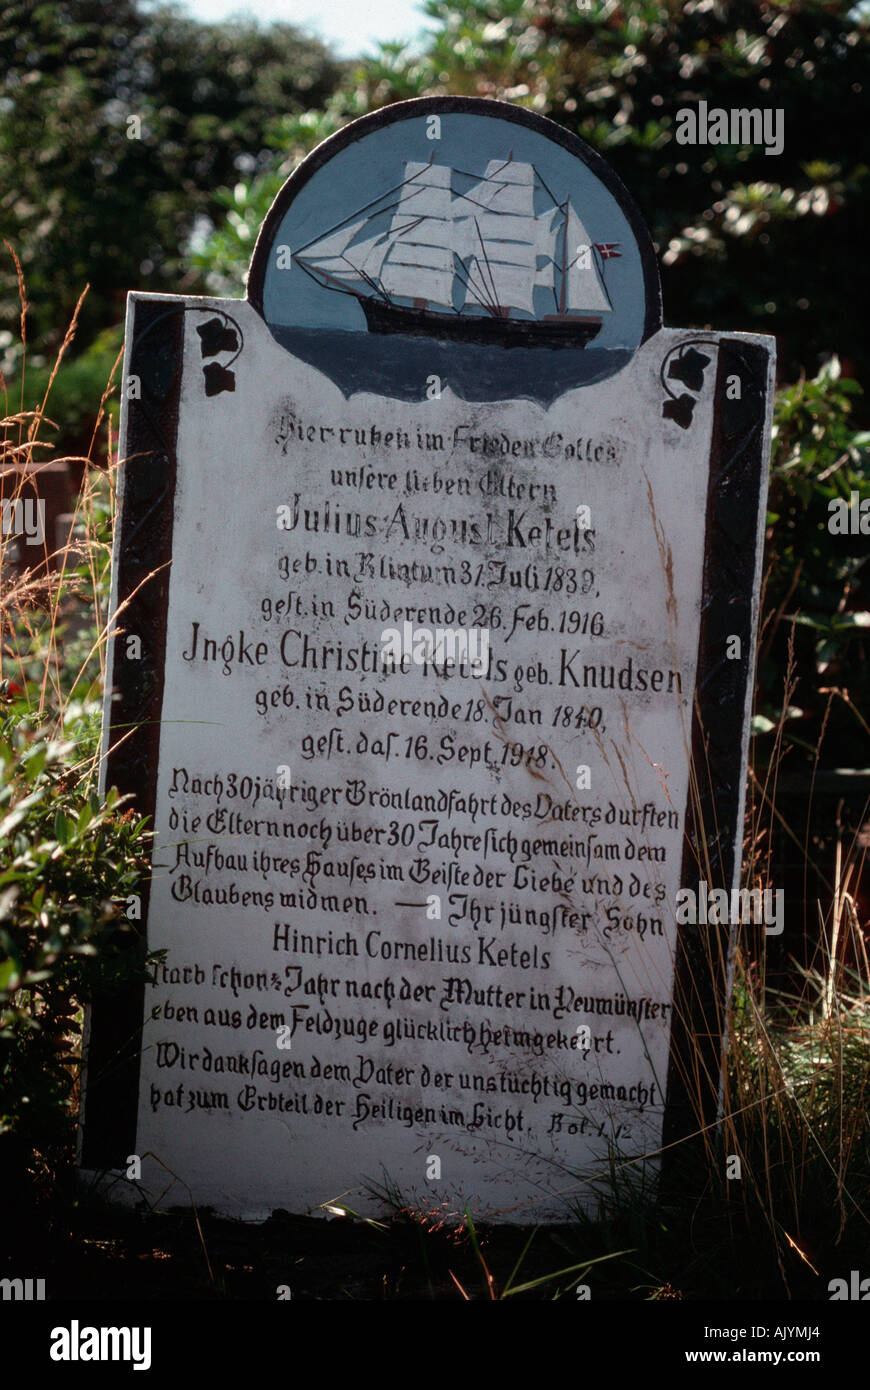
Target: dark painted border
x: 155, y: 357
x: 471, y: 106
x: 735, y: 495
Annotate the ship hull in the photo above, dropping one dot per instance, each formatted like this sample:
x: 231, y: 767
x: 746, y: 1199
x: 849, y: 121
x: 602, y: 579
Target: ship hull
x: 572, y: 331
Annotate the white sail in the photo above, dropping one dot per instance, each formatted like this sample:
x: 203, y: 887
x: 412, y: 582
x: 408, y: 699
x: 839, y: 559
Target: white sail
x: 584, y: 288
x: 493, y: 227
x: 476, y: 282
x: 507, y: 188
x: 501, y: 285
x: 419, y: 262
x: 545, y: 248
x: 545, y: 276
x: 546, y: 228
x: 502, y: 261
x: 368, y: 256
x: 330, y: 255
x: 334, y: 243
x: 499, y: 282
x: 412, y: 280
x: 426, y: 192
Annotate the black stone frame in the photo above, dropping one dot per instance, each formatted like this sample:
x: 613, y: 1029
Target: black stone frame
x: 143, y: 547
x: 736, y: 496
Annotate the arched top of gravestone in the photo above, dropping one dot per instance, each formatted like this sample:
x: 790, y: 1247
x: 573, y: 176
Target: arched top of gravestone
x: 462, y: 238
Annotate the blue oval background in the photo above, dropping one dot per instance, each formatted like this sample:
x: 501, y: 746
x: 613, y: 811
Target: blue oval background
x: 328, y: 328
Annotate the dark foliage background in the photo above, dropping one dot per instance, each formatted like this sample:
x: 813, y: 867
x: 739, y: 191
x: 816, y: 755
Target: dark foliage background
x: 84, y: 203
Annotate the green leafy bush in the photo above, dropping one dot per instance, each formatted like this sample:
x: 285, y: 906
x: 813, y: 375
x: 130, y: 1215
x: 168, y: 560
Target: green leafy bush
x: 69, y: 858
x: 816, y: 593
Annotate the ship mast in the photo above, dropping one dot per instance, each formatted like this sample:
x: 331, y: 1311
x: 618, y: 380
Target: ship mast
x: 564, y: 256
x: 423, y: 303
x: 495, y: 239
x: 418, y: 265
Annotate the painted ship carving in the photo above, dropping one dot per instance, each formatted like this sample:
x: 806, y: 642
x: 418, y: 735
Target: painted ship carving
x: 456, y: 256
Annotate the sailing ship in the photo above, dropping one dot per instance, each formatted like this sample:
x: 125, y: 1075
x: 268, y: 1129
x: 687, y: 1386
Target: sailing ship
x: 503, y: 261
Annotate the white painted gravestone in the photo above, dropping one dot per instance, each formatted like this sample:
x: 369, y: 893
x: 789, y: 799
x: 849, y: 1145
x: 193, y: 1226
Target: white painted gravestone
x: 436, y: 573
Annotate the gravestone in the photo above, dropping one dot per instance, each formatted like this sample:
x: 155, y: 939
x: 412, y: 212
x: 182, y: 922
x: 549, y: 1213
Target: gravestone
x: 436, y: 577
x: 35, y: 527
